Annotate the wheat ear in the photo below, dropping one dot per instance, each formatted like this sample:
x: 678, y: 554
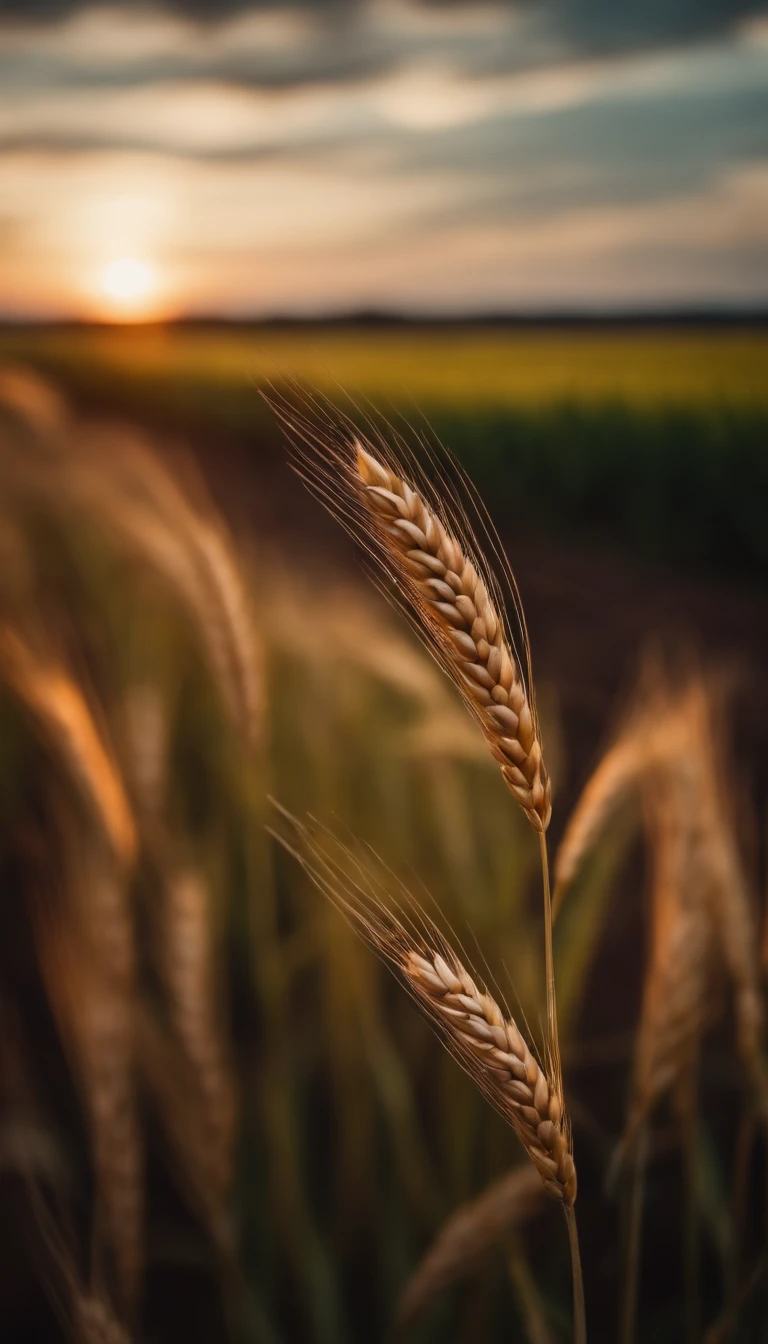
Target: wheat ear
x: 468, y: 1235
x: 457, y: 608
x: 496, y: 1053
x: 482, y: 1038
x: 454, y: 604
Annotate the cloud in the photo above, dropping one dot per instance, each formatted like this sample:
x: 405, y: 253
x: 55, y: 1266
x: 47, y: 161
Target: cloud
x: 621, y: 25
x: 245, y: 244
x: 388, y: 151
x: 631, y: 115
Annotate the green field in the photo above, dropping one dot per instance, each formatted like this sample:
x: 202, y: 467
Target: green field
x: 465, y: 368
x: 649, y: 440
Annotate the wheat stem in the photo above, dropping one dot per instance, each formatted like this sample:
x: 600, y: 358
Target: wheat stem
x: 686, y: 1106
x: 526, y: 1295
x: 634, y: 1239
x: 553, y: 1039
x: 579, y: 1311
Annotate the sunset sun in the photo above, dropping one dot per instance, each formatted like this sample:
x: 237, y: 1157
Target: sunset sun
x: 128, y: 285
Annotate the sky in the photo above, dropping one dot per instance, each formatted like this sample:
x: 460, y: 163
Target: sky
x: 401, y: 155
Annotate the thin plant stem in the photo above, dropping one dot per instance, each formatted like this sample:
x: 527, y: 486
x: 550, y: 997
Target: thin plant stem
x: 742, y: 1165
x: 686, y: 1102
x: 579, y: 1311
x: 553, y: 1044
x: 634, y: 1239
x: 552, y: 1032
x: 526, y: 1295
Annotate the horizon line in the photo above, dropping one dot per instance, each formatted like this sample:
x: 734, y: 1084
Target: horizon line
x: 707, y: 314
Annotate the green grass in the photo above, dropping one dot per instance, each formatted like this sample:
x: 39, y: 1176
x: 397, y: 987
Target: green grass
x: 465, y: 368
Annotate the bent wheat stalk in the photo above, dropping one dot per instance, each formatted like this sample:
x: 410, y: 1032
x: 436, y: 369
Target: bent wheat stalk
x: 456, y: 608
x: 482, y: 1038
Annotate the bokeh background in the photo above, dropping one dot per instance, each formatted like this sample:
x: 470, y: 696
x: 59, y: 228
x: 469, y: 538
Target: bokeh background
x: 538, y: 233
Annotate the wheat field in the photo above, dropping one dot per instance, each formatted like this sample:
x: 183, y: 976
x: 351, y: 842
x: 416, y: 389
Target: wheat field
x: 221, y: 1118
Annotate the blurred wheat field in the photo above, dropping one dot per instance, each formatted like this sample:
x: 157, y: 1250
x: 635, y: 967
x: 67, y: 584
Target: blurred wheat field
x: 649, y: 439
x: 472, y: 368
x: 182, y: 674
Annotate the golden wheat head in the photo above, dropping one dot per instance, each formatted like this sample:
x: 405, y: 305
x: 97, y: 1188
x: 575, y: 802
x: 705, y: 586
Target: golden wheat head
x: 482, y: 1038
x: 455, y: 606
x: 421, y: 540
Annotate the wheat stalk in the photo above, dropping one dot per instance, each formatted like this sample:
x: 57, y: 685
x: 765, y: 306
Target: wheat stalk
x: 424, y: 542
x: 146, y: 731
x: 62, y: 715
x: 86, y: 953
x: 712, y: 785
x: 188, y: 975
x: 670, y: 756
x: 131, y: 494
x: 468, y: 1235
x: 95, y: 1322
x: 173, y: 1095
x: 679, y: 981
x: 653, y: 737
x: 88, y: 957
